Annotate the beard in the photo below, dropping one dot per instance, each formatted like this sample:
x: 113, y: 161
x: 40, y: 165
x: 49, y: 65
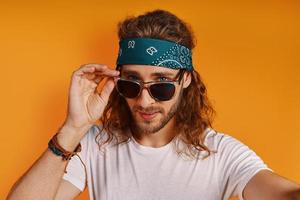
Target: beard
x: 150, y: 127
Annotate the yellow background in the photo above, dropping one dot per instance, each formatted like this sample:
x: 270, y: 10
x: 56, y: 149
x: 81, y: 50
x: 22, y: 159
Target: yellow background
x: 247, y: 53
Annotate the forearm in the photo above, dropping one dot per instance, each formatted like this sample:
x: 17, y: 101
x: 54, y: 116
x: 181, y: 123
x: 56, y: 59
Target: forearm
x: 42, y: 179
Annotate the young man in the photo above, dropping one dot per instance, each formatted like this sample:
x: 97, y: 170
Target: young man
x: 156, y: 139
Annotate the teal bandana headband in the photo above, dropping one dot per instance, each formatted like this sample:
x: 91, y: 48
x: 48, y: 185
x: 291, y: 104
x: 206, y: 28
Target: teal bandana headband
x: 149, y: 51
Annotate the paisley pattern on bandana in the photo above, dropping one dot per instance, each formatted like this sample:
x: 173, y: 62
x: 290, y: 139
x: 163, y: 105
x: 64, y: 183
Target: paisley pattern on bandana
x: 156, y: 52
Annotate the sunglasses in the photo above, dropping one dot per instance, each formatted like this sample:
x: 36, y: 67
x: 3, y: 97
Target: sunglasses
x: 158, y: 90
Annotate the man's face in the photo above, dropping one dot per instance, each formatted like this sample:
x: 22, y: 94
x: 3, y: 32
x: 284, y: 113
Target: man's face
x: 149, y: 115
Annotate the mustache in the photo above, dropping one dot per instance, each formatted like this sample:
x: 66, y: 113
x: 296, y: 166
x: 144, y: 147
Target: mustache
x: 146, y: 110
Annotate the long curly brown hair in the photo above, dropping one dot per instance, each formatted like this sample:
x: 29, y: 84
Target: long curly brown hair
x: 194, y: 113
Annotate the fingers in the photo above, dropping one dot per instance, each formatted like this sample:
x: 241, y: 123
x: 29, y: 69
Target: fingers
x: 98, y: 79
x: 95, y: 72
x: 97, y: 69
x: 106, y: 90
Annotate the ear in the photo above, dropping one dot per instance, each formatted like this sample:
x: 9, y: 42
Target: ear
x: 187, y: 78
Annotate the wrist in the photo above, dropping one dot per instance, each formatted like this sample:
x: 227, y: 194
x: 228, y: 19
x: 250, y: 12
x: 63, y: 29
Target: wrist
x: 69, y: 137
x: 58, y: 150
x: 70, y: 129
x: 71, y: 126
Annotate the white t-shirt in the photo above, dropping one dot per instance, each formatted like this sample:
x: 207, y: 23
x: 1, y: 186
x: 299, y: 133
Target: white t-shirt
x: 131, y: 171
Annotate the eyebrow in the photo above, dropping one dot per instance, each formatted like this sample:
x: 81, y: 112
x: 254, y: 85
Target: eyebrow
x: 155, y: 74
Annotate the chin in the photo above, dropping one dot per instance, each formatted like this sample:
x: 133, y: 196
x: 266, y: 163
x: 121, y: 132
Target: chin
x: 148, y: 127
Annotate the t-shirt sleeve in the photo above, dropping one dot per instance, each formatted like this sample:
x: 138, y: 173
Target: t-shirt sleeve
x: 238, y: 165
x: 76, y: 172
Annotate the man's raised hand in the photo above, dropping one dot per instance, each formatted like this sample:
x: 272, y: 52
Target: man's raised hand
x: 85, y: 104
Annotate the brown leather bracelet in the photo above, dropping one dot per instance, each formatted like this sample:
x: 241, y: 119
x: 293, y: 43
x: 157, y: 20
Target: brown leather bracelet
x: 60, y: 151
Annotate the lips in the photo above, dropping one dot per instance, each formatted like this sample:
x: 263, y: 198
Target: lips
x: 148, y: 116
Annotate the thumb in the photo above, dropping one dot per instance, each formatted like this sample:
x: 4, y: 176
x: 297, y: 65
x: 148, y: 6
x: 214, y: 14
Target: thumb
x: 106, y: 90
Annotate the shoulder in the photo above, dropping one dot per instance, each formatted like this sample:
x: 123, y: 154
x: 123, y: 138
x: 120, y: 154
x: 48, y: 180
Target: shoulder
x: 232, y: 154
x: 228, y: 148
x: 90, y: 135
x: 95, y: 137
x: 220, y: 141
x: 237, y: 163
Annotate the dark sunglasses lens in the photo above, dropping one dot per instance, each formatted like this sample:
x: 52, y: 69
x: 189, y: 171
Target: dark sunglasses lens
x: 162, y: 91
x: 128, y: 89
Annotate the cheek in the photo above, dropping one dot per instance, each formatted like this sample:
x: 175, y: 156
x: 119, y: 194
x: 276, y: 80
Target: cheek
x: 167, y: 105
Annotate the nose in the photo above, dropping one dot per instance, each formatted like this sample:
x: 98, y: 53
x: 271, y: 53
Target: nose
x: 145, y: 98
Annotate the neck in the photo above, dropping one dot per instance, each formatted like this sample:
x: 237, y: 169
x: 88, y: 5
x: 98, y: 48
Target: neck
x: 159, y: 138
